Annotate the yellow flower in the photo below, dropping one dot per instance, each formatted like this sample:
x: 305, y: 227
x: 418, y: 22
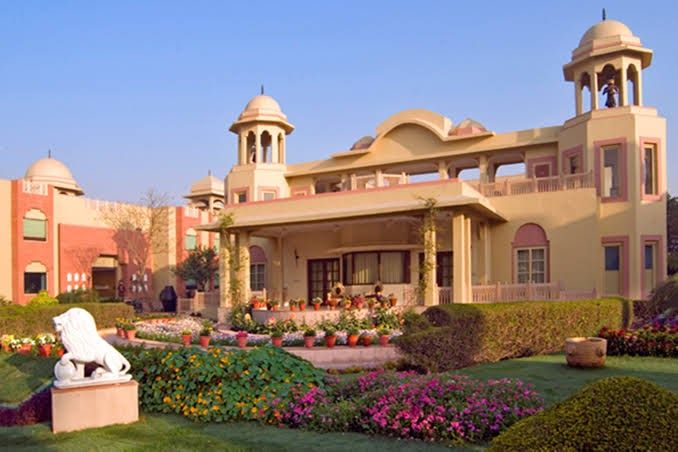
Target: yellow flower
x: 254, y: 410
x: 215, y: 408
x: 167, y: 399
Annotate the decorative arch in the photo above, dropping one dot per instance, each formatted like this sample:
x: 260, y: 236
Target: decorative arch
x: 530, y: 255
x: 585, y: 82
x: 35, y: 225
x: 251, y: 147
x: 632, y: 85
x: 266, y: 147
x: 257, y: 255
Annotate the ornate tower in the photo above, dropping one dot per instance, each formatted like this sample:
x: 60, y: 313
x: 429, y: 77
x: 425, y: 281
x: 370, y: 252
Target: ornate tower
x: 259, y: 174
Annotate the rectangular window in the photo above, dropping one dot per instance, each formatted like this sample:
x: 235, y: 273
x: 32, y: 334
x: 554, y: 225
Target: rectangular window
x: 611, y: 186
x: 240, y: 197
x: 574, y: 164
x: 612, y: 258
x: 268, y: 195
x: 35, y: 229
x: 531, y: 265
x: 649, y: 257
x: 390, y: 267
x: 257, y: 277
x: 650, y: 170
x: 190, y: 242
x: 217, y: 242
x: 34, y: 282
x: 444, y: 269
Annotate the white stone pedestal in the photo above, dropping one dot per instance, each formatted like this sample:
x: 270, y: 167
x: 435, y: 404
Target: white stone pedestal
x: 94, y: 406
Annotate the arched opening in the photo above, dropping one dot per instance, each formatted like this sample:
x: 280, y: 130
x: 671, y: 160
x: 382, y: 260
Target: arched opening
x: 251, y: 148
x: 469, y: 174
x: 608, y: 83
x: 257, y: 268
x: 281, y: 148
x: 585, y: 94
x: 530, y: 255
x: 632, y: 87
x: 510, y: 169
x: 266, y: 141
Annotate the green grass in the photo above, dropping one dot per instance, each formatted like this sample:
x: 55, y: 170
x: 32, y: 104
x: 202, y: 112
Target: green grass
x: 21, y: 375
x: 555, y: 381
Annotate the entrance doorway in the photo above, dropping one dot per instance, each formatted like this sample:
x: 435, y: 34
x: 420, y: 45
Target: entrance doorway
x: 322, y: 275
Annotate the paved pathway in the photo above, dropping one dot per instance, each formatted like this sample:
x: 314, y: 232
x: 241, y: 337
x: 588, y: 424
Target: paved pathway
x: 340, y: 357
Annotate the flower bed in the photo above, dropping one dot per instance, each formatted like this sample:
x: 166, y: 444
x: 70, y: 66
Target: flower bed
x: 651, y: 340
x: 450, y: 408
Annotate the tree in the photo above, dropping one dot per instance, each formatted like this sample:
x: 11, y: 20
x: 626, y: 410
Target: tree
x: 140, y: 230
x: 201, y: 265
x: 672, y: 233
x: 83, y: 259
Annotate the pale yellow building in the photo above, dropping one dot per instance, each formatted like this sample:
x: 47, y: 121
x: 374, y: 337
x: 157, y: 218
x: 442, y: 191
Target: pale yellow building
x: 586, y: 218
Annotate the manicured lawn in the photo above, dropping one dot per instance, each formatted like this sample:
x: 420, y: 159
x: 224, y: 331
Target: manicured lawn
x: 21, y: 375
x: 555, y: 381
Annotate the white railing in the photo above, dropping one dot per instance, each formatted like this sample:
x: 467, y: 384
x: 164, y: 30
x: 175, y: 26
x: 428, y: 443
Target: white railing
x: 498, y: 293
x: 204, y: 303
x: 512, y: 186
x: 444, y: 295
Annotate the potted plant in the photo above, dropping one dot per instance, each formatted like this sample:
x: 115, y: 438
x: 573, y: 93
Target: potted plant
x: 358, y: 301
x: 206, y: 333
x: 45, y: 342
x: 370, y: 302
x: 309, y: 338
x: 6, y: 341
x: 23, y: 345
x: 293, y: 304
x: 330, y: 336
x: 347, y: 303
x: 277, y: 337
x: 302, y: 304
x: 119, y: 327
x: 130, y: 330
x: 186, y: 336
x: 273, y: 305
x: 317, y: 301
x: 352, y: 336
x: 60, y: 350
x: 241, y: 338
x: 384, y: 336
x: 392, y: 299
x: 366, y: 339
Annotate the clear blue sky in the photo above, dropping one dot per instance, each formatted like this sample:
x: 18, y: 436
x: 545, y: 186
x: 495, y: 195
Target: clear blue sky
x: 138, y: 94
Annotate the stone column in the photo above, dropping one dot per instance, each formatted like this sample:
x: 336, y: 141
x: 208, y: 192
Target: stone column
x: 430, y: 250
x: 486, y: 275
x: 461, y: 253
x: 281, y: 273
x: 577, y: 96
x: 623, y: 89
x: 594, y: 89
x: 224, y: 276
x: 442, y: 170
x: 638, y: 88
x: 243, y: 241
x: 257, y: 147
x: 482, y: 166
x: 379, y: 177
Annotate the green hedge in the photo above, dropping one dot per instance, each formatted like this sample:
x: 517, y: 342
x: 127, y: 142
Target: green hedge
x: 31, y: 320
x: 463, y: 335
x: 617, y: 413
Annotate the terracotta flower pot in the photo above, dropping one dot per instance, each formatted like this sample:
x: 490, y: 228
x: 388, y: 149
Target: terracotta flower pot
x: 316, y: 307
x: 45, y: 350
x: 274, y: 308
x: 393, y: 301
x: 330, y: 341
x: 277, y: 341
x: 242, y: 341
x: 293, y: 308
x: 367, y: 341
x: 60, y: 352
x: 309, y: 341
x: 332, y: 302
x: 25, y: 349
x: 120, y: 332
x: 186, y: 339
x: 359, y: 305
x: 352, y: 340
x: 204, y: 341
x: 5, y: 348
x: 302, y: 307
x: 130, y: 335
x: 383, y: 340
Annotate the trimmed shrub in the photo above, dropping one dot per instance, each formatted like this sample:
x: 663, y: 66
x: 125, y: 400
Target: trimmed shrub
x: 219, y: 385
x: 463, y: 335
x: 664, y: 297
x: 79, y: 296
x: 24, y: 321
x: 618, y: 413
x: 42, y: 299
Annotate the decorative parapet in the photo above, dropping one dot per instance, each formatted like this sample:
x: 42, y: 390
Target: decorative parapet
x: 34, y: 188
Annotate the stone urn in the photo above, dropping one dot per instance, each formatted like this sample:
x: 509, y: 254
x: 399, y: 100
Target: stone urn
x: 585, y: 351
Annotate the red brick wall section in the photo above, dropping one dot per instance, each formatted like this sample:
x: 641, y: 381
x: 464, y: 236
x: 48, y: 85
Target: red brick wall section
x: 26, y: 251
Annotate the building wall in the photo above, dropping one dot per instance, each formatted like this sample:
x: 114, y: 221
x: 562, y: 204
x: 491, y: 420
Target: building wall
x: 6, y: 239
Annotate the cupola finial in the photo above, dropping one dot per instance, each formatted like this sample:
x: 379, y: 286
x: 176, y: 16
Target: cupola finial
x: 49, y: 153
x: 604, y: 14
x: 262, y: 89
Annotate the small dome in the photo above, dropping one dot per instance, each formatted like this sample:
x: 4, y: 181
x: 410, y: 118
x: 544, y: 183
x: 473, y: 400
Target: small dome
x: 208, y: 185
x: 263, y: 102
x: 468, y: 127
x: 262, y: 108
x: 363, y: 143
x: 605, y: 29
x: 53, y: 172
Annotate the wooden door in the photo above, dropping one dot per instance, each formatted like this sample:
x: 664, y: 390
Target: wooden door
x: 322, y: 275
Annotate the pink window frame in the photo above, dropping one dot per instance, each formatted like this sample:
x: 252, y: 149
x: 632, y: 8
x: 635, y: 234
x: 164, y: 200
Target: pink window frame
x: 236, y: 191
x: 623, y: 168
x: 623, y: 242
x: 551, y: 161
x: 516, y: 245
x: 660, y: 263
x: 567, y: 154
x: 262, y: 190
x: 660, y: 165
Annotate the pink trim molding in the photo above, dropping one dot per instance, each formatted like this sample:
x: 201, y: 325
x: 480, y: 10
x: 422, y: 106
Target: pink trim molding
x: 237, y: 190
x: 623, y: 242
x: 660, y: 263
x: 572, y: 152
x: 261, y: 191
x: 623, y: 168
x: 551, y: 160
x: 659, y: 170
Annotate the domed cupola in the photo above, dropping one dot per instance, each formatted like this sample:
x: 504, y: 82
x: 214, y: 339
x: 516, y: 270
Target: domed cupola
x: 207, y: 193
x: 53, y: 172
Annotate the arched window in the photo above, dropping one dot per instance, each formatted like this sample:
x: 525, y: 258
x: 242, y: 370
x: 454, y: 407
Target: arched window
x: 608, y: 84
x: 251, y: 148
x: 257, y: 268
x: 190, y: 239
x: 266, y: 142
x: 35, y: 278
x: 530, y: 255
x: 35, y: 225
x: 585, y: 82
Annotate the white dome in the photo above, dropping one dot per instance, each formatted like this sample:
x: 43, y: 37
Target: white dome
x: 605, y: 29
x: 263, y: 102
x: 53, y: 172
x: 208, y: 185
x: 262, y: 108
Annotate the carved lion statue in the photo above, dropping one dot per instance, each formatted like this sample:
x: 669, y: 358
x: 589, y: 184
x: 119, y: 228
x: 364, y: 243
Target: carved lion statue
x: 84, y: 345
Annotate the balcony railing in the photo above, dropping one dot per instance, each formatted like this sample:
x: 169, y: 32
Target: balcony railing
x: 512, y: 186
x: 499, y: 293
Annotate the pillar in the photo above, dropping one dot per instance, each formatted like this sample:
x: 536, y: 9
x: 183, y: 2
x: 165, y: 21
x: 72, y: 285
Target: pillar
x: 623, y: 89
x: 354, y: 181
x: 442, y: 170
x: 461, y: 255
x: 594, y: 89
x: 280, y: 276
x: 379, y: 177
x: 638, y: 87
x: 482, y: 166
x: 577, y: 96
x: 243, y: 276
x: 224, y: 276
x: 257, y: 147
x: 430, y: 250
